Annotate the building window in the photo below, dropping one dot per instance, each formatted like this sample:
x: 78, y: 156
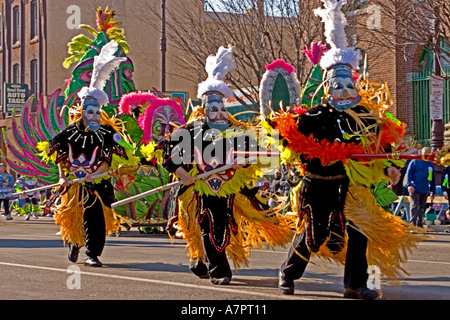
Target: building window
x: 34, y: 77
x: 16, y: 24
x: 16, y: 73
x: 34, y: 16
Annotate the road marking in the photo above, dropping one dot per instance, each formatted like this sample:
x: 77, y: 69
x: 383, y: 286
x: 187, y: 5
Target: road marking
x: 436, y: 262
x: 162, y: 282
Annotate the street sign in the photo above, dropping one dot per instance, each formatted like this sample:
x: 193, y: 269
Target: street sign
x: 436, y: 98
x: 16, y: 96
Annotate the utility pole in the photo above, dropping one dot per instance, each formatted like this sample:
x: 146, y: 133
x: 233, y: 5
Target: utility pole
x: 437, y: 128
x: 163, y: 46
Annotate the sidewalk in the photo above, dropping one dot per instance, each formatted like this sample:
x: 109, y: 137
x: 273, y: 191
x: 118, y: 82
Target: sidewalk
x: 439, y: 228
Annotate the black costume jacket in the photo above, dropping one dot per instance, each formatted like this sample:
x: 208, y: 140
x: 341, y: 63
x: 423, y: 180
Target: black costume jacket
x: 324, y: 188
x: 205, y: 149
x: 83, y: 151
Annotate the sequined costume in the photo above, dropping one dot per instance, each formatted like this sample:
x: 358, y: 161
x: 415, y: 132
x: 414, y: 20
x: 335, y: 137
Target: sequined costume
x: 219, y: 216
x: 340, y: 218
x: 84, y: 213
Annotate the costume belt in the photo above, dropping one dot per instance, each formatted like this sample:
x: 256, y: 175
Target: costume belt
x: 330, y: 178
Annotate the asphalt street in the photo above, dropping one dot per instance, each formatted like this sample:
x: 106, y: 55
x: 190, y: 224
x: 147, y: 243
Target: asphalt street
x: 34, y: 266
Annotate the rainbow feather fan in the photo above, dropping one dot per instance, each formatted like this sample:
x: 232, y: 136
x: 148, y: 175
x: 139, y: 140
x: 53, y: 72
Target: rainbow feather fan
x: 29, y: 130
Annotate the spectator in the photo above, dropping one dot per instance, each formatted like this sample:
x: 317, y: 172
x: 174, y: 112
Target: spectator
x: 29, y: 200
x: 421, y: 182
x: 6, y: 190
x: 276, y: 184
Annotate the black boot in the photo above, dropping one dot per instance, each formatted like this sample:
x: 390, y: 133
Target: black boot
x: 360, y: 293
x: 92, y: 262
x: 286, y: 286
x: 220, y: 281
x: 73, y: 253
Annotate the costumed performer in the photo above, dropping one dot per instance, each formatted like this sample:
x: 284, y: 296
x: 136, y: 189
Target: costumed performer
x: 29, y: 200
x: 339, y: 218
x: 86, y: 148
x: 218, y: 217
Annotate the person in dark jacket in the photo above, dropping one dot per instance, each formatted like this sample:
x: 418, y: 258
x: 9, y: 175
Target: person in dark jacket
x: 421, y: 183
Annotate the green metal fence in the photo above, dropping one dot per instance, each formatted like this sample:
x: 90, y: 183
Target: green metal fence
x: 421, y: 105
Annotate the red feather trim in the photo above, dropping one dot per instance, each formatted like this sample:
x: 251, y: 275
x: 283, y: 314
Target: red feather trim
x: 391, y: 132
x: 328, y: 152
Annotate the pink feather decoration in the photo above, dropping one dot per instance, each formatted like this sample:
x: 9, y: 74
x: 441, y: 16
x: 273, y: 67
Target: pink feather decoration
x: 138, y: 98
x: 315, y: 52
x: 280, y: 63
x: 145, y: 120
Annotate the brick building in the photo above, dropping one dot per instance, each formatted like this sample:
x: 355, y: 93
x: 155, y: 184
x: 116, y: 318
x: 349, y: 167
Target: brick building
x: 22, y: 49
x: 397, y: 42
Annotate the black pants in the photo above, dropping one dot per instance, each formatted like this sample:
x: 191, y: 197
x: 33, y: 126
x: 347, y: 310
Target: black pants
x: 355, y: 273
x: 5, y: 205
x: 214, y: 217
x: 325, y: 219
x: 418, y: 207
x: 94, y: 226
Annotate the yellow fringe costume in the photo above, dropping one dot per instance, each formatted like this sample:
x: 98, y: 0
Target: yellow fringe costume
x: 70, y: 209
x: 256, y: 228
x: 390, y: 239
x: 69, y: 216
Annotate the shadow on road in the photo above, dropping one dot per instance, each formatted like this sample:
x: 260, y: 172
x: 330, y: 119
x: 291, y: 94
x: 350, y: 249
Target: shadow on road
x: 29, y: 244
x: 151, y: 266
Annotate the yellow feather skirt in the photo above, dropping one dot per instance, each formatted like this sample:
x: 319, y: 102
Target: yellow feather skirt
x: 255, y: 229
x: 69, y: 216
x: 389, y: 239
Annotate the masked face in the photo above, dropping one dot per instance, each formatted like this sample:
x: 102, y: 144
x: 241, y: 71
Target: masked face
x: 162, y: 122
x: 342, y: 94
x: 216, y: 114
x: 91, y: 114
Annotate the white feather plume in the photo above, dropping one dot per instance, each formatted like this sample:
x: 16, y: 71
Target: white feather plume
x: 97, y: 94
x: 105, y: 63
x: 217, y: 66
x: 335, y: 23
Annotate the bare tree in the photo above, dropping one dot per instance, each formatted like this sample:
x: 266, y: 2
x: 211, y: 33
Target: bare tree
x: 408, y: 23
x: 260, y: 30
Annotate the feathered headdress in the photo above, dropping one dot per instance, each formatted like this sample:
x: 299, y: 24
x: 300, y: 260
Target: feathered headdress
x: 315, y: 52
x: 313, y: 91
x: 217, y: 67
x: 335, y: 23
x: 150, y: 102
x: 104, y: 64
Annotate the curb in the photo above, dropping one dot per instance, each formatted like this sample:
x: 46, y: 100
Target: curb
x: 438, y: 228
